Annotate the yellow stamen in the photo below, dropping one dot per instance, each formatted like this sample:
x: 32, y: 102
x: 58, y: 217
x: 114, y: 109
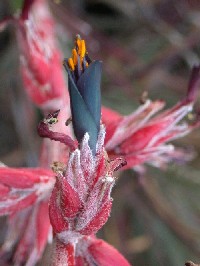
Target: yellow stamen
x: 78, y: 53
x: 74, y: 57
x: 80, y: 46
x: 71, y: 64
x: 78, y: 43
x: 83, y: 49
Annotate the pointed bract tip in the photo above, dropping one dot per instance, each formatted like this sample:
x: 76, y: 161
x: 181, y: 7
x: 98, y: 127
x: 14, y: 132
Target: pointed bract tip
x: 122, y: 164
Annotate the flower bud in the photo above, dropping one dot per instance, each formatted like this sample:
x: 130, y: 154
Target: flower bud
x: 84, y: 89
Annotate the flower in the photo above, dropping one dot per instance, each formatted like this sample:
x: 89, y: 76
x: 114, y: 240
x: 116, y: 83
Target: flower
x: 84, y: 89
x: 80, y: 202
x: 41, y: 68
x: 40, y: 59
x: 24, y: 194
x: 141, y: 137
x: 79, y: 205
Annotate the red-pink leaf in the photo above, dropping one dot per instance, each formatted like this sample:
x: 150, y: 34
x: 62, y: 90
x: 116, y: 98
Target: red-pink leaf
x: 70, y: 201
x: 80, y: 261
x: 43, y: 225
x: 99, y: 220
x: 4, y: 190
x: 111, y: 120
x: 56, y: 218
x: 104, y: 254
x: 23, y: 177
x: 11, y: 205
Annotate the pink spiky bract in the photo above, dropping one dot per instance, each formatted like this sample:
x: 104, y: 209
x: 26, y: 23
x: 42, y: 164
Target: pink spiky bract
x: 80, y: 203
x: 141, y: 141
x: 83, y: 192
x: 21, y: 188
x: 40, y: 62
x: 44, y: 82
x: 26, y: 200
x: 142, y: 137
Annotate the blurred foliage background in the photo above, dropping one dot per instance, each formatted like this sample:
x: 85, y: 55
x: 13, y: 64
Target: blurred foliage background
x: 145, y: 45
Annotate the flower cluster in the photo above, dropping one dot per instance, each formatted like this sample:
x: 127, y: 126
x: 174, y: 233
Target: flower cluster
x: 141, y: 137
x: 78, y: 190
x: 80, y: 203
x: 27, y: 203
x: 40, y: 59
x: 24, y: 194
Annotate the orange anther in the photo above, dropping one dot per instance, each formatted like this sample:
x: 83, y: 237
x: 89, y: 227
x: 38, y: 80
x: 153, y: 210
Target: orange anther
x: 71, y: 64
x: 78, y: 43
x: 75, y: 56
x: 78, y: 53
x: 83, y: 49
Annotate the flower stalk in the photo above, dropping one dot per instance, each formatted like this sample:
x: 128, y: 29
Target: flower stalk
x: 64, y: 254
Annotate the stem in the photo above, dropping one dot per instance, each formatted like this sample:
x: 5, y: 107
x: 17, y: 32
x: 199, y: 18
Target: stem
x: 63, y: 254
x: 45, y: 132
x: 26, y: 8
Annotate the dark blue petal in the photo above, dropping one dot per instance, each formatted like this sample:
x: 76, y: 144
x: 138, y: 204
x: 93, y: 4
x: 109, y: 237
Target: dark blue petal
x: 82, y: 118
x: 89, y: 87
